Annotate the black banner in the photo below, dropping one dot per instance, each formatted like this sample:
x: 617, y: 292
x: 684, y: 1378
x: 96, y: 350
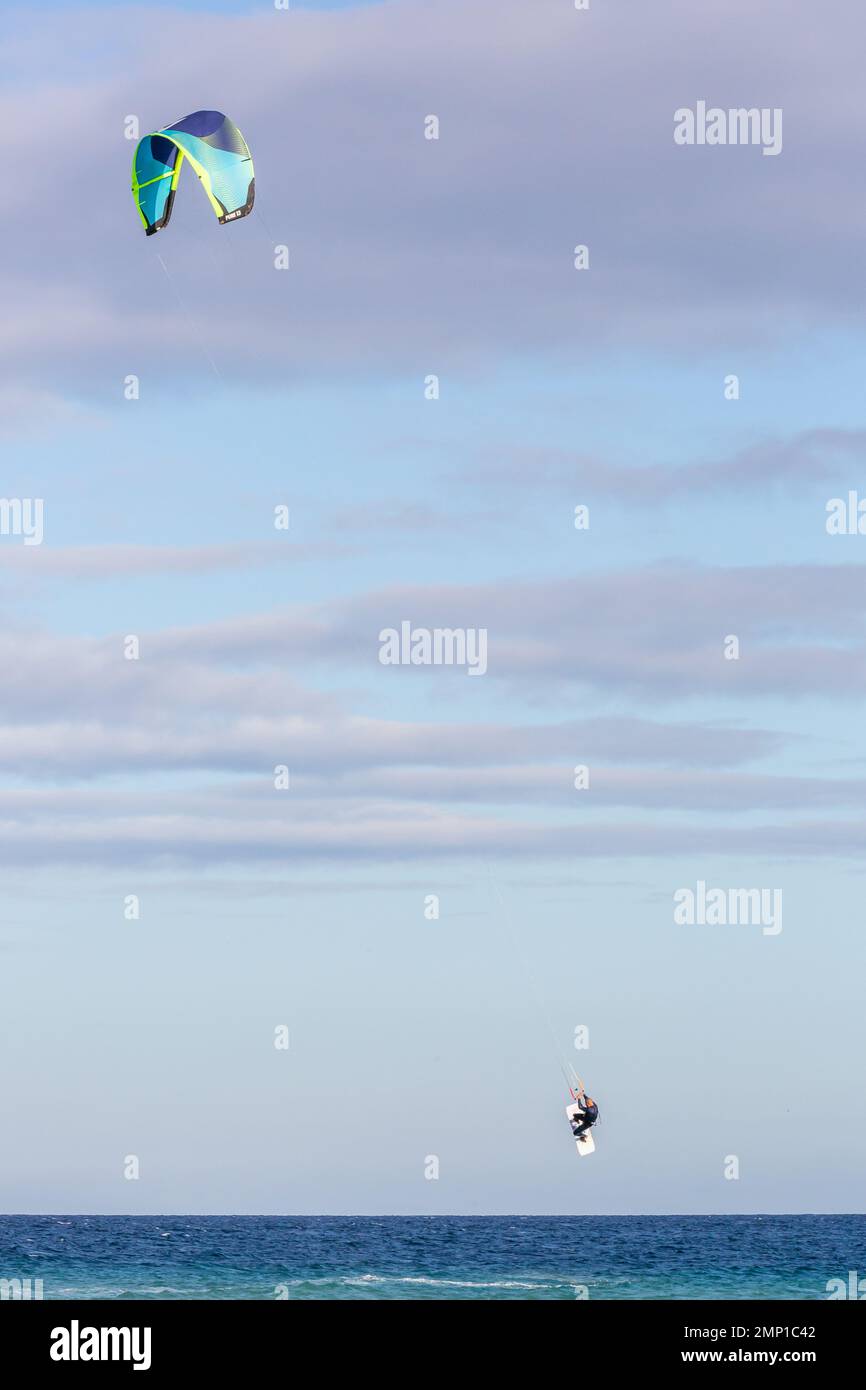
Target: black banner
x: 154, y: 1338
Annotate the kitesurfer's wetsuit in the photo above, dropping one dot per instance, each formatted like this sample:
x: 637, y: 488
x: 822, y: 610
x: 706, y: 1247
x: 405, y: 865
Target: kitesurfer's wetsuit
x: 589, y: 1115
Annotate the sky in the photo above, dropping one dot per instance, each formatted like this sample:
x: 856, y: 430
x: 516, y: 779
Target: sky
x: 712, y: 1048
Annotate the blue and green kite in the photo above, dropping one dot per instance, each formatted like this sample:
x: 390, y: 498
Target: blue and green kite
x: 217, y: 152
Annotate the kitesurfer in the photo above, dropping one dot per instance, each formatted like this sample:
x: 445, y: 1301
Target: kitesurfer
x: 588, y: 1114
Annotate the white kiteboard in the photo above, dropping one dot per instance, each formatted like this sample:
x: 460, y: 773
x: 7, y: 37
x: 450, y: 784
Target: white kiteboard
x: 586, y: 1143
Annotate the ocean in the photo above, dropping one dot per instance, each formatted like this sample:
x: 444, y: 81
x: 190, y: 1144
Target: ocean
x: 438, y: 1257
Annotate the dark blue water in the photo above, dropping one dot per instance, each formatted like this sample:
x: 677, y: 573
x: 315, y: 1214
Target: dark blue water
x: 484, y: 1257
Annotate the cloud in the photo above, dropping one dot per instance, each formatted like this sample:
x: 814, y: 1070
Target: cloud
x: 168, y: 831
x: 405, y: 251
x: 112, y: 561
x: 812, y: 456
x: 656, y: 633
x: 221, y: 706
x: 32, y: 410
x: 444, y: 761
x: 407, y: 256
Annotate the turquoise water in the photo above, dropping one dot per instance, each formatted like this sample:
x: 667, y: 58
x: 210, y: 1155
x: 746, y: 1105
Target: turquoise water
x: 484, y: 1257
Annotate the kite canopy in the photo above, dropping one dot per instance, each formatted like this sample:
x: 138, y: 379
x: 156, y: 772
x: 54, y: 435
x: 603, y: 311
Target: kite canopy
x: 217, y: 152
